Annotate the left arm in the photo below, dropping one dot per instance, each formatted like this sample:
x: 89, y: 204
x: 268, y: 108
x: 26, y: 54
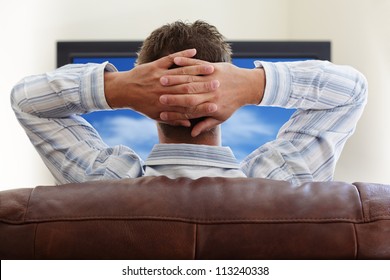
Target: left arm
x: 329, y: 100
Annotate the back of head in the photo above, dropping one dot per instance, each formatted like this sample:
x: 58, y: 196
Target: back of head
x: 178, y: 36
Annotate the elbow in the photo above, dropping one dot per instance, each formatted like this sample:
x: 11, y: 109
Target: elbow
x: 17, y: 96
x: 20, y: 96
x: 360, y: 91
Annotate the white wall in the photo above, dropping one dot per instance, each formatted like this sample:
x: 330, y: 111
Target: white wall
x: 29, y: 30
x: 360, y: 34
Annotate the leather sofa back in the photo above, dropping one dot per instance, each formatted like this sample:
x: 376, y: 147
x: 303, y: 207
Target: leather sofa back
x: 208, y: 218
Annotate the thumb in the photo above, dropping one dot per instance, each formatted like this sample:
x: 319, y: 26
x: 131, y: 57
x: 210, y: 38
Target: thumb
x: 167, y: 61
x: 203, y: 126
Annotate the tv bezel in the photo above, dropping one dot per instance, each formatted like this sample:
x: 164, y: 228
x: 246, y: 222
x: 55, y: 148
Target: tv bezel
x: 68, y: 50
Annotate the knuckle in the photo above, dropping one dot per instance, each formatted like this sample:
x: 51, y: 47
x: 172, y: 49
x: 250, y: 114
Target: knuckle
x: 192, y: 88
x: 207, y: 86
x: 196, y: 110
x: 181, y: 70
x: 190, y: 79
x: 187, y: 88
x: 190, y: 111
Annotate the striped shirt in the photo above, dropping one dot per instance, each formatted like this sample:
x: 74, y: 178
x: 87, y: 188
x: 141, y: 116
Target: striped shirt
x: 329, y: 100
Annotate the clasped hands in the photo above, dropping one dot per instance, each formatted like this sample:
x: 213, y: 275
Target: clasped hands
x: 195, y: 89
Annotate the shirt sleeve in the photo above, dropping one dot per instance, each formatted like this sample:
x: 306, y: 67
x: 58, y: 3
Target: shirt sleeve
x: 329, y: 100
x: 49, y: 106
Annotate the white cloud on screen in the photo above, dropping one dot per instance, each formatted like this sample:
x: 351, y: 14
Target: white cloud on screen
x: 246, y: 125
x: 246, y: 131
x: 140, y: 134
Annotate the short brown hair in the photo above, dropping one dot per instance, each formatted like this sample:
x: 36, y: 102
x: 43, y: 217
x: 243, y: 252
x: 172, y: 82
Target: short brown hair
x: 177, y: 36
x: 170, y: 38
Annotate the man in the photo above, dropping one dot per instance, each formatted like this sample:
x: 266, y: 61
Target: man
x: 329, y: 101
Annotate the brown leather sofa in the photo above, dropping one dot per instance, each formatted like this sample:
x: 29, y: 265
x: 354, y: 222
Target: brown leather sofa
x: 208, y: 218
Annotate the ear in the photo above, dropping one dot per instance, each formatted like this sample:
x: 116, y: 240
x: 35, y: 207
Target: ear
x: 160, y: 134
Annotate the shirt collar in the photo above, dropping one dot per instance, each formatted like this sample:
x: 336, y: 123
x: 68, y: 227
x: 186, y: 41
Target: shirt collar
x: 190, y: 154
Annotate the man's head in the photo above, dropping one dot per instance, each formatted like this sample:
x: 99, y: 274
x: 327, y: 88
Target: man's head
x: 210, y: 46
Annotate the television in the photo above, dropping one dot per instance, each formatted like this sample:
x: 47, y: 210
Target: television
x: 249, y: 128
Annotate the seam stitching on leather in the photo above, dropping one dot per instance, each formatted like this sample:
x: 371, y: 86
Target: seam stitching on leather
x: 356, y: 242
x: 196, y: 242
x: 76, y: 218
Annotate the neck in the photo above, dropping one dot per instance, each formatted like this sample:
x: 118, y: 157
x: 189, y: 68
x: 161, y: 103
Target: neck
x: 210, y: 138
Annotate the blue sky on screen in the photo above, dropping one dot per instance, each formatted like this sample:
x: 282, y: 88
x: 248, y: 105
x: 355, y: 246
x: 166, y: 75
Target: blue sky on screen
x: 249, y: 128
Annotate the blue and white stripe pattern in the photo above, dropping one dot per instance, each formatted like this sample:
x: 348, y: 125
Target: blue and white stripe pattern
x: 329, y: 101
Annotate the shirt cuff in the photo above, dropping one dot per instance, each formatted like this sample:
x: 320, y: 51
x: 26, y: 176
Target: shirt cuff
x: 278, y: 86
x: 92, y: 86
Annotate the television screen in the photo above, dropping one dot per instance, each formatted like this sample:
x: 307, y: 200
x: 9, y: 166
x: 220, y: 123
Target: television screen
x: 249, y: 128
